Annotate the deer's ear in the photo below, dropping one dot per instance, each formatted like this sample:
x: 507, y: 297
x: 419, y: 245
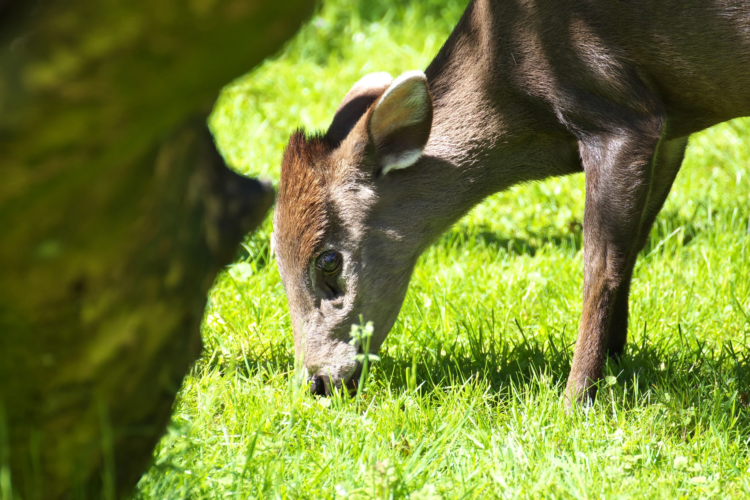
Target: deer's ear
x: 399, y: 124
x: 355, y: 104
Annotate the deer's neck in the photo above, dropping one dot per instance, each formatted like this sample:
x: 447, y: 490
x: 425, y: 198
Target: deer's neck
x: 486, y: 126
x: 488, y: 133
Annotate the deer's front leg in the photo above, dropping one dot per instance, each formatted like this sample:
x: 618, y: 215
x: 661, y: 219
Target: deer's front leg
x: 618, y: 174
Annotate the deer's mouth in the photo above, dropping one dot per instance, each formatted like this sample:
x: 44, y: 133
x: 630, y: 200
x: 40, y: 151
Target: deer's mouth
x: 321, y: 385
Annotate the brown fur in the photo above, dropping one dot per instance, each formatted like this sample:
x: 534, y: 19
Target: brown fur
x: 301, y: 218
x: 522, y: 90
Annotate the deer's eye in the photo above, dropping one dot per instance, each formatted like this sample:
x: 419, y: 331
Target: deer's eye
x: 329, y: 262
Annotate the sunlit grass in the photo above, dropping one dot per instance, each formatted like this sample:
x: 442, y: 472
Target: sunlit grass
x: 466, y: 402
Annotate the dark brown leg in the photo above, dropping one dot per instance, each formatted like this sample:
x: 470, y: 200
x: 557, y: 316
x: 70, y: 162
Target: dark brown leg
x: 667, y: 163
x: 619, y: 169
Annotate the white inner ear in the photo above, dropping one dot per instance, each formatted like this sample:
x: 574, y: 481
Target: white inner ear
x: 405, y: 102
x: 403, y: 160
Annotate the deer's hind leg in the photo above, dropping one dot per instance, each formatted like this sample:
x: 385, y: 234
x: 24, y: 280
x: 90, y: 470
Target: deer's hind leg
x: 666, y: 164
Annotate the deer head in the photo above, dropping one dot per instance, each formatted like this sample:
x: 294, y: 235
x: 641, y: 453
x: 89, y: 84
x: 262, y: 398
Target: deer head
x: 347, y: 232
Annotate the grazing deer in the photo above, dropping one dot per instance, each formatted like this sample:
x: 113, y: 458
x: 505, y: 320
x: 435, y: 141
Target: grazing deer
x: 522, y: 90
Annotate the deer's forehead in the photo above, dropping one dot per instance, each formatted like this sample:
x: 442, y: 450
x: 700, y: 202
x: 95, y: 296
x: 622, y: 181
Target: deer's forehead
x: 301, y: 217
x: 301, y: 224
x: 321, y: 191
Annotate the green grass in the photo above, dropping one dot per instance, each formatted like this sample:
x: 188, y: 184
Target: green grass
x: 466, y: 401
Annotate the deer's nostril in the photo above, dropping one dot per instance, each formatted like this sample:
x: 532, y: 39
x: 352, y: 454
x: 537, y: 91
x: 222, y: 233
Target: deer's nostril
x: 318, y: 386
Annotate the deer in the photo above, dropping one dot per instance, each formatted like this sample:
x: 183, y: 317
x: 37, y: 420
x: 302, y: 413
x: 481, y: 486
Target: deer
x: 522, y: 90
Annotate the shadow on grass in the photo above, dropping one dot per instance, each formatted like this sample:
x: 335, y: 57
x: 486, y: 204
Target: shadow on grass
x: 673, y: 366
x: 480, y: 353
x: 667, y: 225
x: 530, y: 245
x: 691, y: 385
x: 690, y: 371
